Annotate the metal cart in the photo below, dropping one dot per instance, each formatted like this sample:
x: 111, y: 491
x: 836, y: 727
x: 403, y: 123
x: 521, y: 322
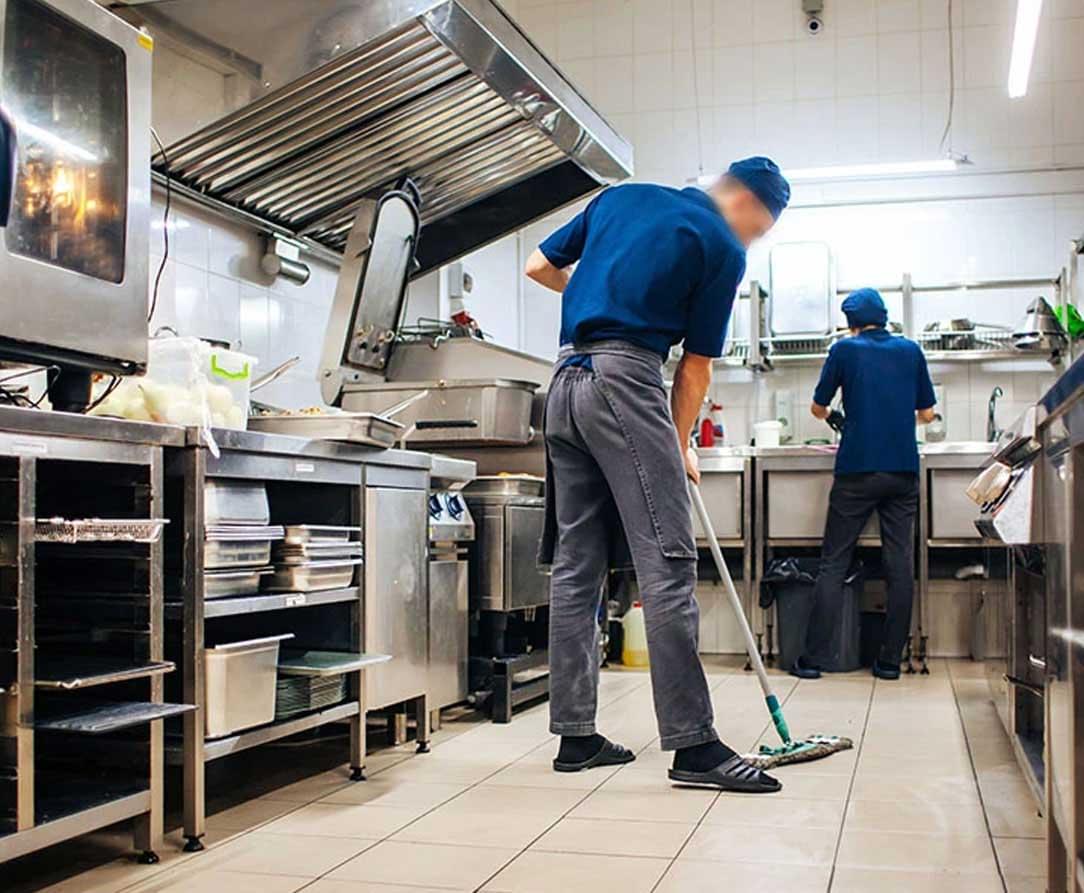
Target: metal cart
x: 81, y: 630
x: 308, y: 482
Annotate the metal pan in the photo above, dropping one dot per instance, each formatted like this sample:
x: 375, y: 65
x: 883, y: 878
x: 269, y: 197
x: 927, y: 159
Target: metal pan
x: 363, y: 428
x: 312, y: 577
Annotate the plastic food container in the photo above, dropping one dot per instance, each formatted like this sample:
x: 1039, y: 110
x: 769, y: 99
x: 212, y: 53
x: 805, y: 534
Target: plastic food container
x: 767, y: 433
x: 189, y: 382
x: 240, y: 684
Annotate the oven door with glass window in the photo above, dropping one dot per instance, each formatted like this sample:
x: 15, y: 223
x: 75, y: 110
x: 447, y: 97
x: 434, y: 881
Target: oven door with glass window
x: 75, y: 95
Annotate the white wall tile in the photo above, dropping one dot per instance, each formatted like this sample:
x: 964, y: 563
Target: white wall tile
x: 1031, y: 118
x: 774, y: 20
x: 987, y: 49
x: 773, y: 65
x: 575, y: 35
x: 987, y: 12
x: 983, y: 114
x: 856, y: 66
x: 899, y: 131
x: 1068, y: 112
x: 1064, y: 9
x: 815, y: 119
x: 815, y: 68
x: 898, y: 63
x: 734, y: 75
x: 693, y: 24
x: 614, y: 80
x: 934, y: 14
x: 1068, y: 56
x: 653, y: 82
x: 857, y: 128
x: 898, y: 15
x: 613, y: 27
x: 694, y: 86
x: 934, y: 50
x: 732, y: 22
x: 653, y: 30
x: 854, y: 17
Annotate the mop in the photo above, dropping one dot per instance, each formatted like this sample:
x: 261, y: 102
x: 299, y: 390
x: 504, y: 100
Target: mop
x: 803, y: 750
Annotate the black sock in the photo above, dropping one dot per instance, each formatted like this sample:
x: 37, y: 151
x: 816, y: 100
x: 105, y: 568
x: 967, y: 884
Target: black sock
x: 578, y: 748
x: 702, y: 757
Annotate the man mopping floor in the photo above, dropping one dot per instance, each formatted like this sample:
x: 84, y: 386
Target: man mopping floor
x: 656, y: 267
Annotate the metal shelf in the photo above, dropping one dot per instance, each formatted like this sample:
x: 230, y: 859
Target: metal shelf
x: 222, y: 747
x: 271, y: 601
x: 69, y: 672
x: 97, y: 719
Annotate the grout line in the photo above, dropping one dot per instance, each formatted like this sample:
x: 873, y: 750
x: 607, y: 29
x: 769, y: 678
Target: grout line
x: 975, y: 776
x: 850, y: 787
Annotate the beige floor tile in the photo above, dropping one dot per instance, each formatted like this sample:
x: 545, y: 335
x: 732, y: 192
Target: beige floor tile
x: 678, y: 805
x: 311, y: 789
x: 692, y: 876
x: 1025, y: 884
x: 1021, y: 857
x: 326, y: 885
x: 860, y: 880
x: 197, y: 881
x: 1011, y: 808
x: 428, y: 767
x: 778, y: 846
x: 334, y: 820
x: 541, y: 775
x: 514, y: 831
x: 505, y: 801
x: 283, y: 854
x: 915, y: 817
x: 249, y: 815
x: 809, y: 786
x: 536, y: 872
x: 916, y: 852
x: 775, y: 812
x: 630, y: 780
x: 383, y: 791
x: 956, y: 790
x: 425, y: 865
x: 615, y: 838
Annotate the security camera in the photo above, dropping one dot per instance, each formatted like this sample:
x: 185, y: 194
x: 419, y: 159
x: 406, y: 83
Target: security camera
x: 814, y: 25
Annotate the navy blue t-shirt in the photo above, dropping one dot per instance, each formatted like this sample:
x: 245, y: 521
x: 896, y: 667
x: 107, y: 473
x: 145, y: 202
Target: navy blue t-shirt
x: 657, y: 266
x: 884, y: 380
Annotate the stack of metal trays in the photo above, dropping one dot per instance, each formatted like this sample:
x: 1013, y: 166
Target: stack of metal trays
x: 302, y: 694
x: 236, y: 557
x: 311, y: 558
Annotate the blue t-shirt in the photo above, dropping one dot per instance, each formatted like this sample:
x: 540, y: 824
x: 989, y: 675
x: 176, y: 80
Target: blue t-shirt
x: 884, y: 380
x: 657, y: 266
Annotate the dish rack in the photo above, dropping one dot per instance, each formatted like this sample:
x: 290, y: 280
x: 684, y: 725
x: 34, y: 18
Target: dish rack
x: 99, y: 530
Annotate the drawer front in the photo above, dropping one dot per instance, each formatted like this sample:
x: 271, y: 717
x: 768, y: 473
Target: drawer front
x: 798, y: 505
x: 952, y: 514
x: 722, y: 492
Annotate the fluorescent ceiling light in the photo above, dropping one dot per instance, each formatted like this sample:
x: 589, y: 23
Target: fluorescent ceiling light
x: 1023, y: 45
x: 858, y: 171
x: 880, y: 169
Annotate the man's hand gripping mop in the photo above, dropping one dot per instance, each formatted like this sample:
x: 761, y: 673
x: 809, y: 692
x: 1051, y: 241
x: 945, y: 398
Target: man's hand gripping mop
x: 803, y: 750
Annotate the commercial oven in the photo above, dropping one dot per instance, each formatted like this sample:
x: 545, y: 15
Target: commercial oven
x: 74, y: 186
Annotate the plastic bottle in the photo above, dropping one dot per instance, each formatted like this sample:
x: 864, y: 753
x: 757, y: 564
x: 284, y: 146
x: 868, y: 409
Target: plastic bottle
x: 717, y: 421
x: 707, y: 433
x: 634, y: 648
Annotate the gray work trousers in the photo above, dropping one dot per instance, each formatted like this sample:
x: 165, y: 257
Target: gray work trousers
x: 614, y: 463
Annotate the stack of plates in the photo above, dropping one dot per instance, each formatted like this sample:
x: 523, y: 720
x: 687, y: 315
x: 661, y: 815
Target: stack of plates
x: 302, y: 694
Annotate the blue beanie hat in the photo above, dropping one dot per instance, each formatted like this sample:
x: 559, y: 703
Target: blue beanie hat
x: 865, y: 307
x: 761, y: 175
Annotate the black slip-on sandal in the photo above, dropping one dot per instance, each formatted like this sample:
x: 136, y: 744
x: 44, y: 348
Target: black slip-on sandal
x: 609, y: 754
x: 733, y: 775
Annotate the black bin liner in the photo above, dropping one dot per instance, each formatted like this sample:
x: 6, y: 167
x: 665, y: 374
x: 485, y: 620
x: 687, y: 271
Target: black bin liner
x: 789, y: 582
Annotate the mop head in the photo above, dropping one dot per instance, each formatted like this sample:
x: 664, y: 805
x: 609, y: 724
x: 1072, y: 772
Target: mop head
x: 815, y: 747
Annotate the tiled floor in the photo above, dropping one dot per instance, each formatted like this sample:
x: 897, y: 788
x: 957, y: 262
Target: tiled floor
x: 930, y: 800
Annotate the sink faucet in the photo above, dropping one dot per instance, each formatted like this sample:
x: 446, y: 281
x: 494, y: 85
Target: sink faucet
x: 992, y: 431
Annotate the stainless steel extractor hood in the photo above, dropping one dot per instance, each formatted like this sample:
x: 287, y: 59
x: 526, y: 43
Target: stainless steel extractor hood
x: 327, y: 103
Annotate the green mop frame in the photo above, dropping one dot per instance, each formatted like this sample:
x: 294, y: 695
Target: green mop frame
x: 814, y: 747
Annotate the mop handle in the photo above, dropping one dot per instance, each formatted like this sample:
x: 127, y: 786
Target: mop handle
x: 743, y: 622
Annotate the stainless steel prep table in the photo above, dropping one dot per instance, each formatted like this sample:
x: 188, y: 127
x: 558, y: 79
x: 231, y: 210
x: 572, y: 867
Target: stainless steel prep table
x: 726, y: 481
x: 45, y: 455
x: 947, y: 521
x: 385, y: 491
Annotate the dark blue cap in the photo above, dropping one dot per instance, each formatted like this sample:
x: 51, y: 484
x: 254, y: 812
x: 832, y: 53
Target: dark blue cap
x: 865, y: 307
x: 763, y: 178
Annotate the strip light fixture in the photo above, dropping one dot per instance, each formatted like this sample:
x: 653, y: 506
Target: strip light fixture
x: 1023, y: 46
x: 861, y: 171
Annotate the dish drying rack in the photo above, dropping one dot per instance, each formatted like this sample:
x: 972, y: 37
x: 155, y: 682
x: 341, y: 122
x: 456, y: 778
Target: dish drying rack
x: 99, y: 530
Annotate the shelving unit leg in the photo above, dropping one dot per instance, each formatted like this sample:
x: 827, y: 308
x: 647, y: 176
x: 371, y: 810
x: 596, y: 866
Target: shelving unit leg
x: 195, y: 796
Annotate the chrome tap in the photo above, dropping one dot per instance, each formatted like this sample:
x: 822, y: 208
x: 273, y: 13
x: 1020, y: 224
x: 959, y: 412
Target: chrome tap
x: 992, y: 431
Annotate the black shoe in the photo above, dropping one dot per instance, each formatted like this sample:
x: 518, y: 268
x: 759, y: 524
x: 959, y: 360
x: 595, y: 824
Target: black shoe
x: 733, y: 775
x: 609, y: 754
x: 883, y: 670
x: 805, y: 670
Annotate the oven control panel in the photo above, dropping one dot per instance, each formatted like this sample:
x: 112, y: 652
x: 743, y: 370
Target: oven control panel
x: 449, y: 518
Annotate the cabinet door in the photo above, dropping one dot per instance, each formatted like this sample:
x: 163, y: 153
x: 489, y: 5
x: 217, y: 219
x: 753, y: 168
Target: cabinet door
x: 448, y: 631
x: 396, y: 593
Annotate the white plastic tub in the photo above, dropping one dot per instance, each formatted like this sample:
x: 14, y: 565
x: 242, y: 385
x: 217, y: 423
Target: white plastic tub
x: 768, y: 433
x: 240, y: 685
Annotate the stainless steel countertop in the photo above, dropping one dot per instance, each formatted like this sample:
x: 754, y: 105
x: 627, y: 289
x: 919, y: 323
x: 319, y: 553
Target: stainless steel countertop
x: 255, y: 441
x: 730, y: 458
x: 45, y: 423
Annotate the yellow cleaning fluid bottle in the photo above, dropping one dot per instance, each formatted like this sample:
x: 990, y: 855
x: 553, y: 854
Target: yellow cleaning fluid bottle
x: 634, y: 647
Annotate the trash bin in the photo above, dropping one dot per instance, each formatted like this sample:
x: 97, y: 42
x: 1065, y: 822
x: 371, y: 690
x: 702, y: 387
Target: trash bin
x: 789, y: 583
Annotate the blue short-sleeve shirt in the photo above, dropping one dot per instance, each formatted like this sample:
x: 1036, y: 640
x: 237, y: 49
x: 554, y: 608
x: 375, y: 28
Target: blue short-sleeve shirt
x: 657, y: 267
x: 884, y: 379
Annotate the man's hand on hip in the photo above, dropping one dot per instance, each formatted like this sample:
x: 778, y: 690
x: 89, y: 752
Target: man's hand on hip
x: 692, y: 465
